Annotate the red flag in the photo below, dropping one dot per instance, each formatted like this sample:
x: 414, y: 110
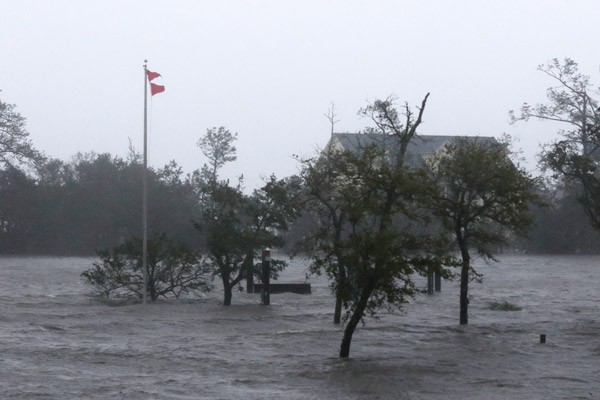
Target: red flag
x: 152, y: 75
x: 155, y: 89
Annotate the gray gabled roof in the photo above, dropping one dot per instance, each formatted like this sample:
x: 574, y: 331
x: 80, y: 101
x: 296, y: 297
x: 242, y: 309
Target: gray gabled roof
x: 418, y: 149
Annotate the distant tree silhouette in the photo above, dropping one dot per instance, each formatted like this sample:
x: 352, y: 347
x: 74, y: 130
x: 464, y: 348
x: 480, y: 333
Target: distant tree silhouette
x: 575, y: 156
x: 15, y: 145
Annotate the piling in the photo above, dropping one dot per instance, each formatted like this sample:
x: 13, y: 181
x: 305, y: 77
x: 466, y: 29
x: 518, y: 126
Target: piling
x: 438, y: 281
x: 542, y: 338
x: 250, y: 277
x: 266, y: 277
x: 429, y: 280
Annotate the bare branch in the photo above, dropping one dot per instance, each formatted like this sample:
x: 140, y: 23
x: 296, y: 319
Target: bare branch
x: 331, y: 117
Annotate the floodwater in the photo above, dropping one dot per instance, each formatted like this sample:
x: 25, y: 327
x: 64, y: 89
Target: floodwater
x: 58, y: 341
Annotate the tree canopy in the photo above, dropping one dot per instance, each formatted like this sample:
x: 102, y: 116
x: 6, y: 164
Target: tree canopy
x: 15, y: 145
x: 575, y: 155
x: 235, y: 226
x: 482, y: 196
x: 173, y: 269
x: 91, y: 202
x: 369, y: 240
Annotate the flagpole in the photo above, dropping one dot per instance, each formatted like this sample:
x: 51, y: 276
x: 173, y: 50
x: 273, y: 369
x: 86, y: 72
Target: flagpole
x: 145, y: 193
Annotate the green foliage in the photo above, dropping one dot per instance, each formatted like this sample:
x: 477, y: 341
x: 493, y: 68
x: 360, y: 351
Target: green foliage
x: 370, y: 239
x: 576, y: 155
x: 217, y: 146
x: 173, y: 269
x: 563, y: 227
x: 379, y: 246
x: 20, y: 211
x: 482, y: 193
x: 482, y: 196
x: 92, y: 202
x: 235, y: 226
x: 15, y: 145
x: 226, y: 236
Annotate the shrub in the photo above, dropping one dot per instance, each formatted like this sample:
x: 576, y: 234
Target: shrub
x: 504, y: 306
x: 173, y: 269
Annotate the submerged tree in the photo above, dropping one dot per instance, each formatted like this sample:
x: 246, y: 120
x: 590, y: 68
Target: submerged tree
x: 235, y: 226
x: 173, y: 269
x: 482, y: 195
x: 321, y: 178
x: 225, y: 240
x: 370, y: 242
x: 575, y: 156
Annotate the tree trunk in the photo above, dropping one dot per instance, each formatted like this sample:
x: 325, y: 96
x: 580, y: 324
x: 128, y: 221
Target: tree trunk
x: 227, y: 295
x: 463, y: 244
x: 249, y: 272
x: 337, y: 314
x: 227, y: 290
x: 150, y: 289
x: 361, y: 305
x: 464, y: 292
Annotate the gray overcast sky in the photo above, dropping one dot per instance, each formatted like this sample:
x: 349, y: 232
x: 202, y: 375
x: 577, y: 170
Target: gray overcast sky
x: 270, y: 70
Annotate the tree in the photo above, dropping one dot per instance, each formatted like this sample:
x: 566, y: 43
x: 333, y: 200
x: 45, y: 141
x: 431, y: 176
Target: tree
x: 481, y: 194
x: 91, y: 202
x: 225, y: 238
x: 15, y: 145
x: 270, y: 211
x: 20, y: 216
x: 217, y: 146
x: 18, y: 211
x: 575, y: 157
x: 321, y: 179
x: 173, y: 204
x: 173, y: 269
x: 221, y: 205
x: 236, y: 226
x: 369, y: 243
x: 575, y: 236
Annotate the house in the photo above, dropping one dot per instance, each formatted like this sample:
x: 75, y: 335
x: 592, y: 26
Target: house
x: 420, y: 150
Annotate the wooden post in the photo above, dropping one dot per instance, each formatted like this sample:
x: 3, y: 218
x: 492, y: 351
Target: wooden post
x: 429, y: 280
x: 266, y: 267
x: 250, y: 276
x: 438, y: 280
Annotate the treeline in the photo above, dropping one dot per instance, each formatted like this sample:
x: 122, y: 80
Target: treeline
x: 563, y: 227
x: 94, y: 201
x: 91, y: 202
